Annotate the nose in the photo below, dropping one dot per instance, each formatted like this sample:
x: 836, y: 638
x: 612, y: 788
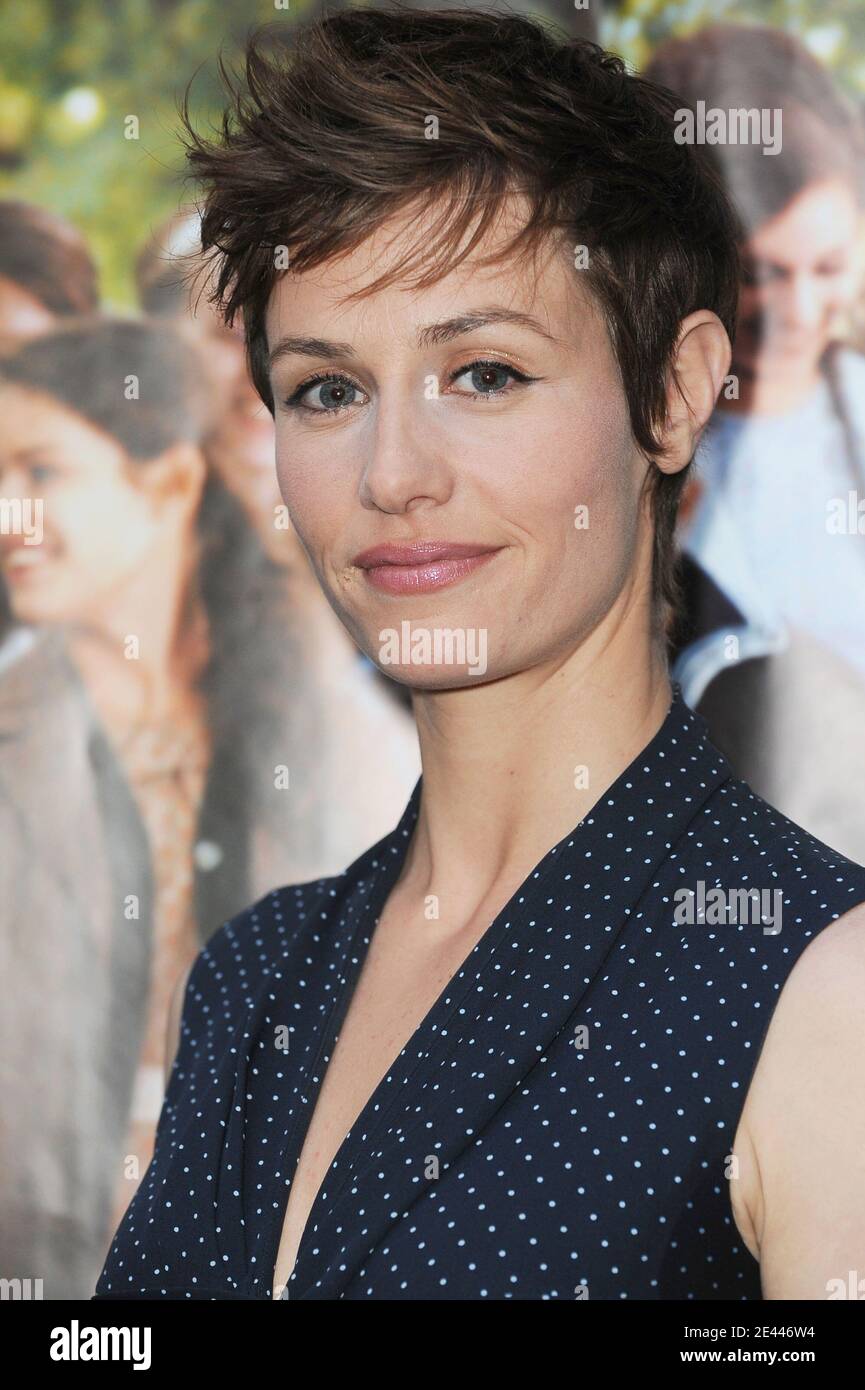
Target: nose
x: 802, y: 304
x: 406, y: 466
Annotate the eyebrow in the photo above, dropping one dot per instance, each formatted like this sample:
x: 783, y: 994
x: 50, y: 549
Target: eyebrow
x: 431, y: 335
x: 35, y: 453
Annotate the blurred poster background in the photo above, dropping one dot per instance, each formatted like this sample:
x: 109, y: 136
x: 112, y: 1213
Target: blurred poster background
x: 183, y: 723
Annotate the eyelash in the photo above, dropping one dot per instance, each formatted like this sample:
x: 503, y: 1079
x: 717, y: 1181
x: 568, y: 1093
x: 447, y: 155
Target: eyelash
x: 295, y: 402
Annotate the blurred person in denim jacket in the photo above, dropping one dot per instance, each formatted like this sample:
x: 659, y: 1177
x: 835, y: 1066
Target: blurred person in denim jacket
x: 772, y: 651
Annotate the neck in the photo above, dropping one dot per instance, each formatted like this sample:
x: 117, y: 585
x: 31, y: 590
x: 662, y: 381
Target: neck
x: 160, y: 609
x: 510, y: 767
x: 777, y: 393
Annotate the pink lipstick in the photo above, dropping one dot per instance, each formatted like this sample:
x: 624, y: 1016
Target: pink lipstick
x: 419, y: 567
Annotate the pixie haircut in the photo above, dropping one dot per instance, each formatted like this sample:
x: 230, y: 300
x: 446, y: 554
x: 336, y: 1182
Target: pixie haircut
x: 326, y: 136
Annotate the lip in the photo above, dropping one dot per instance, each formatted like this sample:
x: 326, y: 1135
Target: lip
x: 419, y: 567
x: 20, y: 563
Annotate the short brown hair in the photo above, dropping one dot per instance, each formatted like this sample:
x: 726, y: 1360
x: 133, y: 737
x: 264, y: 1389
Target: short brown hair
x: 746, y: 66
x: 47, y: 257
x: 325, y: 138
x: 83, y: 364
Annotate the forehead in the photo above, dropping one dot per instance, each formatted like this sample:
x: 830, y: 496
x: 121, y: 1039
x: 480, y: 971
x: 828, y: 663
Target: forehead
x: 541, y: 283
x: 822, y: 217
x: 33, y: 418
x: 22, y: 315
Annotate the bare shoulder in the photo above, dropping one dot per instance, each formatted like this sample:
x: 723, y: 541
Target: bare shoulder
x: 799, y: 1201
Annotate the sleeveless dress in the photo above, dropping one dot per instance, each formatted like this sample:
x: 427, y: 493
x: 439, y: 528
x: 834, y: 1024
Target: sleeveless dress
x: 560, y: 1124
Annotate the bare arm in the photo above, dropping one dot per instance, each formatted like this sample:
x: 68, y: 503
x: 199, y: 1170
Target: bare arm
x: 808, y: 1122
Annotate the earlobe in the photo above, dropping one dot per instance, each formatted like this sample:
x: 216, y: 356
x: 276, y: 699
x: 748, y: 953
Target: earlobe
x: 179, y: 471
x: 697, y: 371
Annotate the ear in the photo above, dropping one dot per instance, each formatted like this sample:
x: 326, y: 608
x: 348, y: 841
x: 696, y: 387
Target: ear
x: 700, y: 363
x: 178, y: 474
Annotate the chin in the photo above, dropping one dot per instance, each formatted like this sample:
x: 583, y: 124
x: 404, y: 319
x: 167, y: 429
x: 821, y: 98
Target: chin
x: 430, y: 655
x: 432, y: 678
x: 40, y: 618
x: 35, y: 611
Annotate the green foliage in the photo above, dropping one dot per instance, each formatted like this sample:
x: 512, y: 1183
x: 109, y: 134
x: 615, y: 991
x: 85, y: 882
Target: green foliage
x: 834, y: 30
x: 73, y: 71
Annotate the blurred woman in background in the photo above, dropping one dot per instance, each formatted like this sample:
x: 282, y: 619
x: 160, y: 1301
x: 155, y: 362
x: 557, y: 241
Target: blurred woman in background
x: 46, y: 274
x: 163, y: 754
x: 240, y: 446
x: 773, y: 650
x: 46, y: 271
x: 240, y: 442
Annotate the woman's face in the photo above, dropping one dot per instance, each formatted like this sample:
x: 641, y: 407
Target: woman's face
x: 97, y: 526
x: 800, y: 277
x: 21, y: 315
x: 240, y: 446
x: 524, y: 465
x: 243, y: 442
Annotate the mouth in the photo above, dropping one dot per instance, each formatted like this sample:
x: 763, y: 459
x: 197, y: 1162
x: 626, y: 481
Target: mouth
x: 24, y: 561
x: 421, y: 566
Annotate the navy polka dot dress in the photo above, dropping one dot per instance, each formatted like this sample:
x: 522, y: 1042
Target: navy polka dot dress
x: 559, y: 1126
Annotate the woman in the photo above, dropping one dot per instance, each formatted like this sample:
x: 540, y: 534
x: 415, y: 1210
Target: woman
x: 778, y: 669
x: 171, y: 281
x: 163, y: 758
x: 510, y: 1053
x: 46, y: 272
x: 240, y: 442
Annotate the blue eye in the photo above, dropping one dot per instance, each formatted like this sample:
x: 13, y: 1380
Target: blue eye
x: 337, y: 392
x: 341, y: 387
x: 484, y: 368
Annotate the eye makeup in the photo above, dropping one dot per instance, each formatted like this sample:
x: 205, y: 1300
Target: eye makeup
x: 295, y: 401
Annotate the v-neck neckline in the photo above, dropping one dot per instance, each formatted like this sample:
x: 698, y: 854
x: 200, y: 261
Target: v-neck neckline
x: 387, y: 859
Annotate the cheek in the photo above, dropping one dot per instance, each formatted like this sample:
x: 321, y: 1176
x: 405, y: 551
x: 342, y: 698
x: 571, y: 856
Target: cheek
x: 839, y: 292
x: 319, y: 496
x: 105, y: 531
x: 583, y: 501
